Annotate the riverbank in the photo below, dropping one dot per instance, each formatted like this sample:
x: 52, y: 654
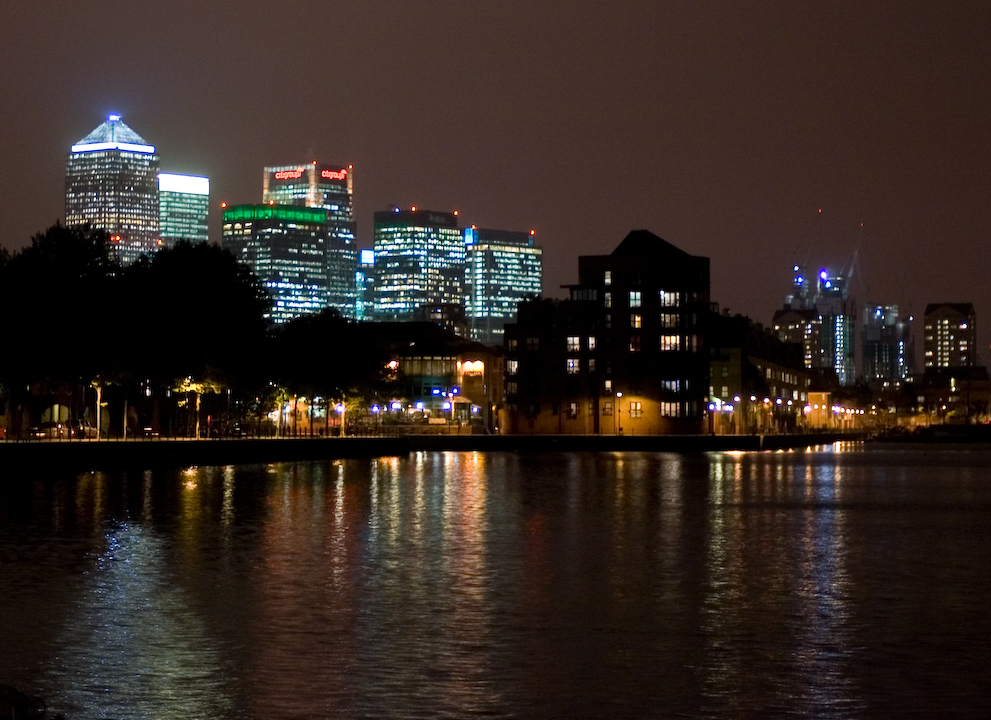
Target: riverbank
x: 114, y: 454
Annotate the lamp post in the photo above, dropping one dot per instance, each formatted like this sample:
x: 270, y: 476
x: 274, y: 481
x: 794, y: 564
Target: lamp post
x: 619, y: 419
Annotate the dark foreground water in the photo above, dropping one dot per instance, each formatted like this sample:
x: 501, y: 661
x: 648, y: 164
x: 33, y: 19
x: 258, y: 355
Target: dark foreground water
x: 845, y: 582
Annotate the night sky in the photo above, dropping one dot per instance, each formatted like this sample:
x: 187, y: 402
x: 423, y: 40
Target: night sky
x: 722, y: 127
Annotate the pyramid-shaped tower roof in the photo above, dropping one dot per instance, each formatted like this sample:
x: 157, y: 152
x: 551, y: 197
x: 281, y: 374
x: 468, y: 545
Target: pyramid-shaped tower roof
x: 113, y: 135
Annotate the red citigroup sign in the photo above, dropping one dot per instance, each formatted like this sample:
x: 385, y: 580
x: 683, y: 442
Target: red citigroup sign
x: 331, y: 175
x: 289, y: 174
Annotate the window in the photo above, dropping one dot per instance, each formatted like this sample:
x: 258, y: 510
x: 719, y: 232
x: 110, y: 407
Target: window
x: 634, y: 343
x: 591, y: 342
x: 670, y: 342
x: 512, y: 343
x: 607, y: 386
x: 533, y: 344
x: 636, y: 409
x: 634, y: 298
x: 669, y: 299
x: 591, y: 408
x: 512, y: 367
x: 573, y: 410
x: 574, y: 343
x: 670, y: 409
x: 607, y: 407
x: 511, y: 388
x: 591, y: 364
x: 607, y: 299
x: 574, y: 366
x: 636, y: 321
x: 608, y: 321
x: 672, y: 385
x: 669, y: 320
x: 607, y: 277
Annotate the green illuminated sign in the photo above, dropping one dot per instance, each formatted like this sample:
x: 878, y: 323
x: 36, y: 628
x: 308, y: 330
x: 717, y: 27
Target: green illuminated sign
x: 288, y: 213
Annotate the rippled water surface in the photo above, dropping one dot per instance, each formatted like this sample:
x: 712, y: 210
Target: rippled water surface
x: 843, y: 582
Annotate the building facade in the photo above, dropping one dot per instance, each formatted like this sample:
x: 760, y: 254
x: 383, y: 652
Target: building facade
x: 886, y: 344
x: 419, y: 260
x: 331, y: 188
x: 626, y: 354
x: 183, y: 208
x: 950, y: 335
x: 757, y: 382
x: 111, y: 183
x: 285, y: 246
x: 502, y: 269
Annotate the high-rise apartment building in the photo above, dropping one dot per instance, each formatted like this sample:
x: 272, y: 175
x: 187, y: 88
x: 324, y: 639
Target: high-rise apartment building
x: 950, y: 335
x: 111, y: 183
x: 887, y: 354
x: 502, y: 268
x: 331, y: 188
x: 419, y: 260
x: 183, y: 208
x: 819, y: 314
x: 284, y: 246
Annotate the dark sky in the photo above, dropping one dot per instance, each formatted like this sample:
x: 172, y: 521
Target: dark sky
x: 723, y: 129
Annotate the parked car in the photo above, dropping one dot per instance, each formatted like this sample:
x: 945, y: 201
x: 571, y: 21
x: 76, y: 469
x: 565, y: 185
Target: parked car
x: 51, y: 431
x: 83, y: 429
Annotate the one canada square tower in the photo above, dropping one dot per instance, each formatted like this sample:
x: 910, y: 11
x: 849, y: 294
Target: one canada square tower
x: 111, y: 182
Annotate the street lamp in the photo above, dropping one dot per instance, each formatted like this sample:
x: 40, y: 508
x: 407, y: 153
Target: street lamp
x: 619, y: 419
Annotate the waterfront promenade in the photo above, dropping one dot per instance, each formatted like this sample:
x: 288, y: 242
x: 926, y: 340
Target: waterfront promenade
x: 83, y: 455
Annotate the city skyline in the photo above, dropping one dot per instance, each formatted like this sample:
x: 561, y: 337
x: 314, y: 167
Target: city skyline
x: 723, y: 132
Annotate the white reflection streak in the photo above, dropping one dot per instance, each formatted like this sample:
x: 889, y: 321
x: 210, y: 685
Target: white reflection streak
x: 134, y: 641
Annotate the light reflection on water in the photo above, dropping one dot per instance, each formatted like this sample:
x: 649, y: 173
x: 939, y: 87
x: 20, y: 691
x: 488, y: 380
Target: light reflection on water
x: 808, y: 584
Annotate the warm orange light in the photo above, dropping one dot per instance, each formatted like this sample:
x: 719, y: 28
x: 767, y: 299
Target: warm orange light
x: 532, y: 232
x: 223, y: 205
x: 455, y: 213
x: 413, y: 208
x: 473, y: 227
x: 314, y: 162
x: 350, y: 167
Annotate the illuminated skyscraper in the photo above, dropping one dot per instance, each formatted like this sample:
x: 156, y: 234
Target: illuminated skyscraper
x: 183, y: 207
x: 365, y: 285
x: 502, y: 269
x: 820, y: 314
x: 329, y: 187
x: 111, y: 182
x: 285, y: 248
x: 419, y: 260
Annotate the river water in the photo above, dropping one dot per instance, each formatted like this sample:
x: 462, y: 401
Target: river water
x: 845, y: 581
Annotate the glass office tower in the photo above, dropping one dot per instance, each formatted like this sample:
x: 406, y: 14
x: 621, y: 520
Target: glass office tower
x: 502, y: 269
x: 111, y: 182
x: 183, y: 207
x: 331, y: 188
x: 419, y: 260
x: 285, y: 246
